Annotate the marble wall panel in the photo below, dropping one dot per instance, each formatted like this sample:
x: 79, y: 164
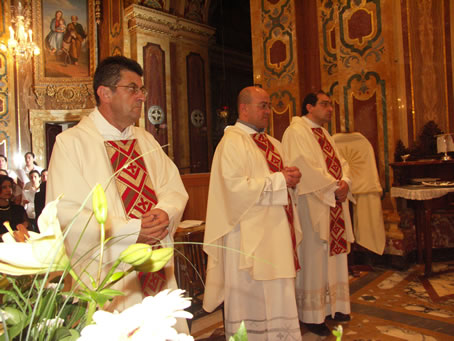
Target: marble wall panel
x: 356, y: 51
x: 177, y: 38
x: 274, y: 52
x: 430, y: 65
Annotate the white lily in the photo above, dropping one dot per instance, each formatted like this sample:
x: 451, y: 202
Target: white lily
x: 41, y: 252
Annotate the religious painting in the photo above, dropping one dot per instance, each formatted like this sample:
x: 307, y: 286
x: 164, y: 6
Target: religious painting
x: 65, y: 34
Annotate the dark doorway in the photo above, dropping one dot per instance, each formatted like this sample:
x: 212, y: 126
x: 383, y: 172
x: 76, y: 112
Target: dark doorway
x: 52, y: 129
x: 231, y: 60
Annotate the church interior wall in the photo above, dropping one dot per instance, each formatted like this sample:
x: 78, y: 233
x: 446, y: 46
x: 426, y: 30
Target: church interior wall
x: 387, y: 65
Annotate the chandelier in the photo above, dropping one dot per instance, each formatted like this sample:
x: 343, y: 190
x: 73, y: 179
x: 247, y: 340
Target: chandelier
x: 20, y: 42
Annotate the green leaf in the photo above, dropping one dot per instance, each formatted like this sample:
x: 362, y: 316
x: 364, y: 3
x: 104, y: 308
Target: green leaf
x: 63, y: 333
x: 241, y: 334
x: 9, y: 296
x: 84, y: 296
x: 104, y: 296
x: 13, y: 316
x: 116, y: 276
x: 111, y: 292
x: 15, y: 330
x: 73, y: 313
x: 74, y: 335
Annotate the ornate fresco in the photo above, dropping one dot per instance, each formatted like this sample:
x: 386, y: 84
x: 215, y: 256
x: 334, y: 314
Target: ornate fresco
x: 274, y: 54
x: 354, y: 61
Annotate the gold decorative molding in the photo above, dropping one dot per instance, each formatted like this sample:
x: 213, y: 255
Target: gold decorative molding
x: 38, y: 120
x: 147, y: 19
x: 65, y: 96
x: 98, y: 11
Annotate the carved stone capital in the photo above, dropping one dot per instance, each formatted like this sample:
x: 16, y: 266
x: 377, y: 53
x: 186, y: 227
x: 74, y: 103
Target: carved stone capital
x: 149, y: 20
x: 65, y: 96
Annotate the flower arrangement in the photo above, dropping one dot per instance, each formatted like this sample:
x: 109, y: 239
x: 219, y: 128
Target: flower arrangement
x: 37, y: 304
x: 37, y: 308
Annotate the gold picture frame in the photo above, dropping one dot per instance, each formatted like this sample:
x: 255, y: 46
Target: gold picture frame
x: 66, y: 40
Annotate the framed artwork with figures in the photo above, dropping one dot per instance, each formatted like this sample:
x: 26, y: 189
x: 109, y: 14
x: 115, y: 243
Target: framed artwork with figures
x: 65, y: 33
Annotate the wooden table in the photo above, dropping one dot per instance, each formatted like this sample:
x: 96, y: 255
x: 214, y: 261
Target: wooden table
x: 405, y: 171
x: 424, y: 199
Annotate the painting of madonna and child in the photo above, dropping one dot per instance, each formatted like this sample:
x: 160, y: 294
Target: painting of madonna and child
x: 65, y: 38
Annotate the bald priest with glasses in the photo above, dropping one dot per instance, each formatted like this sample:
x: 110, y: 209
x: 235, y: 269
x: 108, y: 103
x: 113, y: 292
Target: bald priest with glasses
x: 145, y: 200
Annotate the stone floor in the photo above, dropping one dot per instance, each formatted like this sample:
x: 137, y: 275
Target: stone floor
x: 386, y: 305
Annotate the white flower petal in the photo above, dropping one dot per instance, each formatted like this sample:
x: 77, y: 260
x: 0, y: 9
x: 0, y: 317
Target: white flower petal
x: 48, y: 222
x: 19, y: 271
x: 183, y: 314
x: 8, y: 238
x: 44, y: 252
x: 150, y: 320
x: 37, y: 253
x: 18, y: 254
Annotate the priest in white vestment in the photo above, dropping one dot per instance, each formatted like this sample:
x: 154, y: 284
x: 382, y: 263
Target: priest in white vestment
x: 323, y: 195
x: 80, y: 160
x: 250, y: 241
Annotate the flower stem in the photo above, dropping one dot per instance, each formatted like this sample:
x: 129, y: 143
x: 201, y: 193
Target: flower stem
x: 90, y: 311
x: 77, y: 279
x: 109, y: 274
x: 101, y: 252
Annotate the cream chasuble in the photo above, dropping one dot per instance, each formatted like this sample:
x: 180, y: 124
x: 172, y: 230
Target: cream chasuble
x: 80, y: 161
x: 248, y: 241
x: 322, y: 284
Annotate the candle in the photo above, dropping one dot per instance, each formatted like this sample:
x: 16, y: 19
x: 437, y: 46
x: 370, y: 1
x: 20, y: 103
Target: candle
x: 30, y: 35
x: 11, y: 33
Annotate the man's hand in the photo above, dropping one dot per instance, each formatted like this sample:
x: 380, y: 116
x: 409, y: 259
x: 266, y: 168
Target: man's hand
x: 153, y: 227
x: 342, y: 192
x: 292, y: 176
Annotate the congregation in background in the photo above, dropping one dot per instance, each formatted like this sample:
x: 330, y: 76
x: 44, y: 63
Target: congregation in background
x: 21, y: 193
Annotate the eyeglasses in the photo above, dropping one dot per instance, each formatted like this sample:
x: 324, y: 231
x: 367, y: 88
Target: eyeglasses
x: 264, y: 105
x: 133, y: 88
x: 325, y: 104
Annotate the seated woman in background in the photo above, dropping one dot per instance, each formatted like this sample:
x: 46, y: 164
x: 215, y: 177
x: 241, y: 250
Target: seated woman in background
x: 9, y: 211
x: 17, y: 194
x: 28, y: 196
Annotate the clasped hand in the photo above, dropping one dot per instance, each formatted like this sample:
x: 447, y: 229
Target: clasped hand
x: 153, y: 227
x: 342, y: 192
x: 292, y: 176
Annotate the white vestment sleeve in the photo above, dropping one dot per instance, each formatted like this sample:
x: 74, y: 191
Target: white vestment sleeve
x: 275, y: 190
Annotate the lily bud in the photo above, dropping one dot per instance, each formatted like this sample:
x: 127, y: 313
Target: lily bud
x: 100, y: 204
x: 157, y: 261
x: 136, y: 254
